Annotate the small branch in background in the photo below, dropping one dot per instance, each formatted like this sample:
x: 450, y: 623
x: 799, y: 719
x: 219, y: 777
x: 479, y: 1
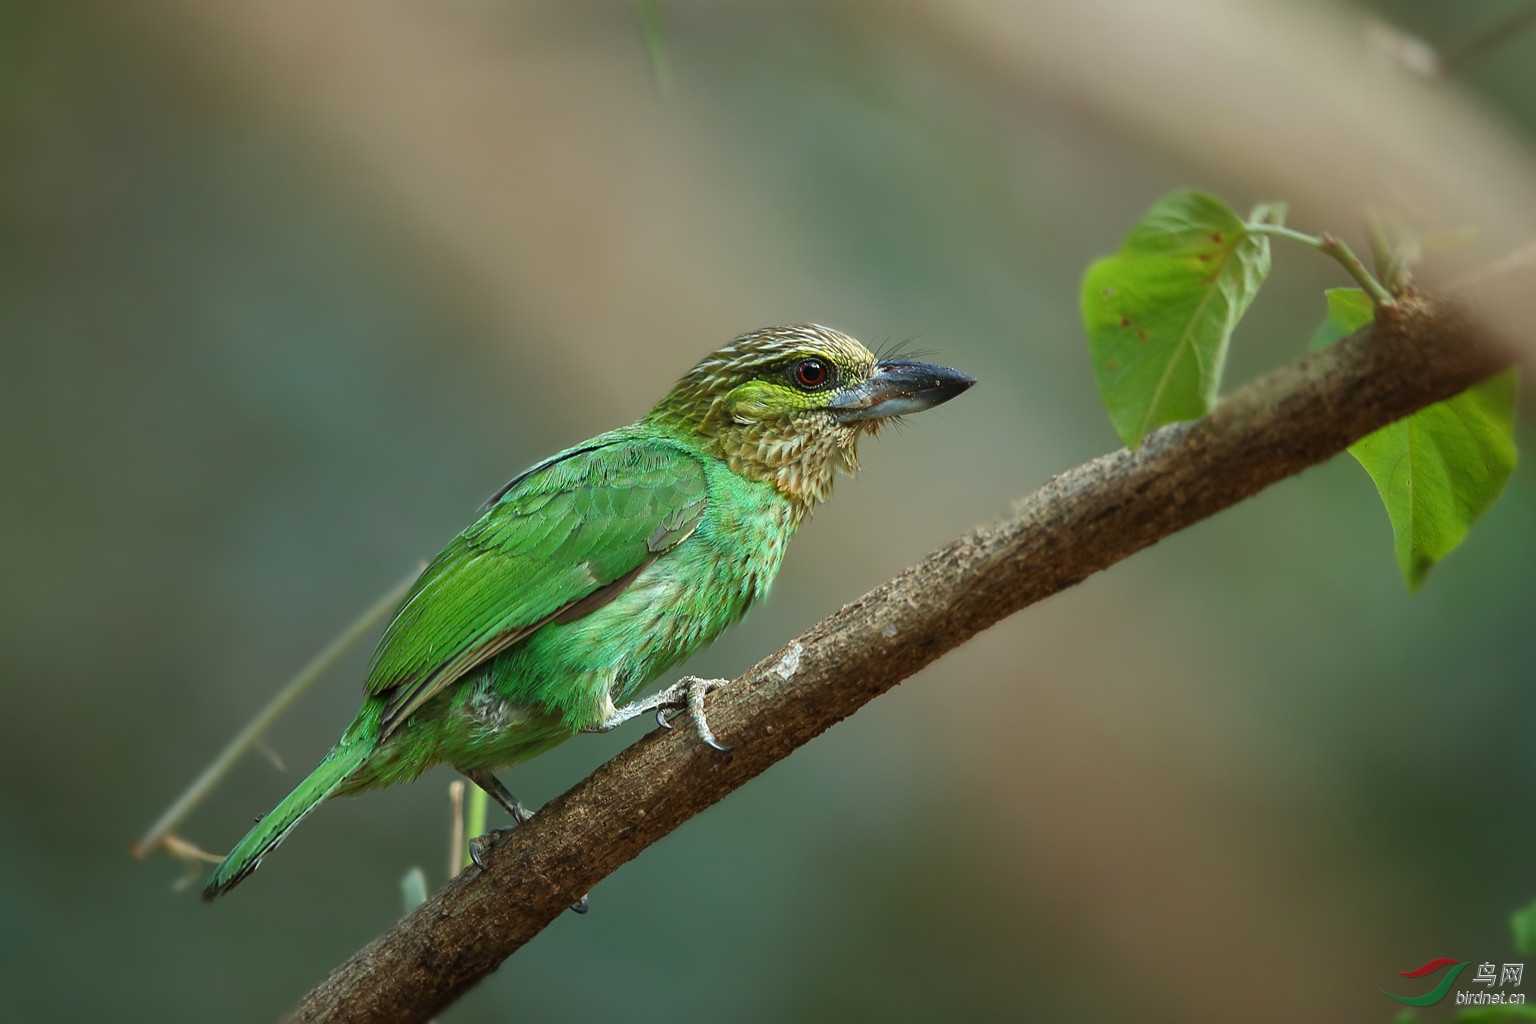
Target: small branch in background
x: 192, y: 858
x: 250, y: 736
x: 271, y: 755
x: 474, y: 824
x: 456, y: 841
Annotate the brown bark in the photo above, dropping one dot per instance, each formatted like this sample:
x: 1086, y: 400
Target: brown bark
x: 1080, y: 522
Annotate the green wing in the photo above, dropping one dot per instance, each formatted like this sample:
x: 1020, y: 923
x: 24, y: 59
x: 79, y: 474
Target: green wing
x: 558, y: 542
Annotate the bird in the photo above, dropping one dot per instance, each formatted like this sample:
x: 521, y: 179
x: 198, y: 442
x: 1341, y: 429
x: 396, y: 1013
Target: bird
x: 593, y: 572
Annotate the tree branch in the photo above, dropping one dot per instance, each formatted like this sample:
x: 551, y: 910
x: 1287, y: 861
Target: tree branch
x: 1077, y: 524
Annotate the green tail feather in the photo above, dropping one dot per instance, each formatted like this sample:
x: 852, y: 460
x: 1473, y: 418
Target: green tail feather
x: 274, y: 828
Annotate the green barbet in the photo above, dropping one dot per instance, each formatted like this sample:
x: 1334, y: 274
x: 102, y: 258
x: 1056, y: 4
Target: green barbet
x: 596, y: 570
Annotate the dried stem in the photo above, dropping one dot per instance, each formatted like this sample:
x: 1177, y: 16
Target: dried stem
x: 254, y: 729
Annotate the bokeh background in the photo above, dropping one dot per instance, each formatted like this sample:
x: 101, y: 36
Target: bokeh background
x: 286, y: 289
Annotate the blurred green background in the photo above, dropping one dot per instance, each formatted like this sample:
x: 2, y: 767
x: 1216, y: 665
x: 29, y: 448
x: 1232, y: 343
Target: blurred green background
x: 287, y: 290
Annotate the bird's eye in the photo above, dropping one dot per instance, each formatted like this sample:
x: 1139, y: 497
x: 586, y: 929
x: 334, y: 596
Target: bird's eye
x: 811, y: 373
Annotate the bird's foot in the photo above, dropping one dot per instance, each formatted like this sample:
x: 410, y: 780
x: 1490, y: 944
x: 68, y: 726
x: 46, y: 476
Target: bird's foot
x: 481, y: 843
x: 694, y: 690
x: 687, y: 694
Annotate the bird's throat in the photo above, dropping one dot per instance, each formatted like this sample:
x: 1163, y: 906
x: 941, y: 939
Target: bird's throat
x: 798, y: 456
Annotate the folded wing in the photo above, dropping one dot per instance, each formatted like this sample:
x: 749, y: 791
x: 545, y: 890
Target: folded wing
x: 561, y: 541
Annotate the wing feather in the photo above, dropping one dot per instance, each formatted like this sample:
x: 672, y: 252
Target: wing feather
x: 561, y: 541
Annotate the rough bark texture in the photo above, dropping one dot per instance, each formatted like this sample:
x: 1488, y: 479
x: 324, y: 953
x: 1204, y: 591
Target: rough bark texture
x: 1077, y: 524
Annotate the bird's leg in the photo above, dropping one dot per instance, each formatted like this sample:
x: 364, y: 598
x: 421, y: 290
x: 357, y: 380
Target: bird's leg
x: 687, y: 694
x: 487, y: 780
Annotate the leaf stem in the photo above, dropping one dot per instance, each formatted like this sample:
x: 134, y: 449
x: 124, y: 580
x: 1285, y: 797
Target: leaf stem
x: 251, y: 734
x: 1332, y: 245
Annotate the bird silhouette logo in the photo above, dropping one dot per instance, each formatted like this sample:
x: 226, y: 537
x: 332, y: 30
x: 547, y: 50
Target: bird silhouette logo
x: 1437, y: 993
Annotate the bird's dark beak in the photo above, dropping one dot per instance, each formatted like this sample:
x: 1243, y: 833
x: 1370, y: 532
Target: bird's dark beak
x: 898, y: 387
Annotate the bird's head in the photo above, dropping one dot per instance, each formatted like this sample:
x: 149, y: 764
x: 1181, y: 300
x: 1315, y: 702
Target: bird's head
x: 788, y: 404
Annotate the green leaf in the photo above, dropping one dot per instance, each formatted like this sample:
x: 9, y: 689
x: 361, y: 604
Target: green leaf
x: 1515, y: 1014
x: 1160, y: 312
x: 1523, y: 924
x: 1440, y: 469
x: 1349, y: 309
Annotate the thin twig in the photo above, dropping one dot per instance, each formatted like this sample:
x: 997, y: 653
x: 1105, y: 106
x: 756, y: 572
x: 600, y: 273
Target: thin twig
x: 1079, y: 523
x: 252, y: 733
x: 192, y: 857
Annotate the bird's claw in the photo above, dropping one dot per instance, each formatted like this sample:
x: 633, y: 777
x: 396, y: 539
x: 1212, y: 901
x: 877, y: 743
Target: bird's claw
x: 581, y: 906
x: 479, y: 844
x: 689, y: 692
x: 697, y: 689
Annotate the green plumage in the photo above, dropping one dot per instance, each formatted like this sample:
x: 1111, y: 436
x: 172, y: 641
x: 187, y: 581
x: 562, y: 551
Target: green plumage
x: 591, y: 574
x: 579, y: 523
